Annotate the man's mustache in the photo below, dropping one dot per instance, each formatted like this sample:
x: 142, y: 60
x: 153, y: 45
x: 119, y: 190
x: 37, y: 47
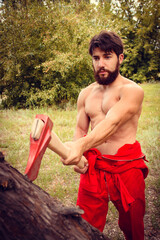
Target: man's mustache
x: 102, y: 69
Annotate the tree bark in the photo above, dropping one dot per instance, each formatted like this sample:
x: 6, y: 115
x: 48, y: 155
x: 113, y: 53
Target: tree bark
x: 29, y: 213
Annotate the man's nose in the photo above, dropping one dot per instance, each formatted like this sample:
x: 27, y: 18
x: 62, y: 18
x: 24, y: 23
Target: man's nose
x: 101, y: 62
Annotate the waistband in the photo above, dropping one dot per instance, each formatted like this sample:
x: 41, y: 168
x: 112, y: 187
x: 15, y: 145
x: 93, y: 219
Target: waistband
x: 128, y: 152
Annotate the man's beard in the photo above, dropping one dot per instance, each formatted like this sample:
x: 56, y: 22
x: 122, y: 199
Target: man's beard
x: 110, y: 78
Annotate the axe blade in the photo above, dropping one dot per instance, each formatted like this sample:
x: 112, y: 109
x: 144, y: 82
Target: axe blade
x: 38, y: 148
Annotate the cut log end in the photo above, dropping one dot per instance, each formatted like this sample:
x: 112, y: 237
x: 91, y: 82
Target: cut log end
x: 29, y: 213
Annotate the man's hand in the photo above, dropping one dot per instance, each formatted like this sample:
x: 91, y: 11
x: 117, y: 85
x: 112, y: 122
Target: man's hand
x: 81, y: 170
x: 75, y: 155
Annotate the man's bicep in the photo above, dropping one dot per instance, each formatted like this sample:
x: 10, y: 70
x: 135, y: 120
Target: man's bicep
x: 132, y: 99
x: 82, y: 124
x: 83, y: 120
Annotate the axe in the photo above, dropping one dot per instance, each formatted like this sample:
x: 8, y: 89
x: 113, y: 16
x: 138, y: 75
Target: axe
x: 42, y: 137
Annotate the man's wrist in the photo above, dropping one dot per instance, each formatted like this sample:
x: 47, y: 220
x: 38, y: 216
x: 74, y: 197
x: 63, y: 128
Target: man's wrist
x: 82, y: 144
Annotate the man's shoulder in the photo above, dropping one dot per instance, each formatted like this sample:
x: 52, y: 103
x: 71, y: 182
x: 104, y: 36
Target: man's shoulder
x: 85, y: 91
x: 130, y: 87
x: 90, y: 87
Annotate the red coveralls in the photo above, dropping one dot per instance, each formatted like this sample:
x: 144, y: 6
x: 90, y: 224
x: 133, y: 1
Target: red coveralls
x: 119, y: 178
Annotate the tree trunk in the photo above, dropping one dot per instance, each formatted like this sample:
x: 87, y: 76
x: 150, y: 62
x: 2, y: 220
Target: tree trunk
x: 29, y: 213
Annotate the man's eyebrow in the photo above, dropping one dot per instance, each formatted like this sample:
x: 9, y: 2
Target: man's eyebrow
x: 105, y: 54
x: 95, y: 55
x: 108, y: 53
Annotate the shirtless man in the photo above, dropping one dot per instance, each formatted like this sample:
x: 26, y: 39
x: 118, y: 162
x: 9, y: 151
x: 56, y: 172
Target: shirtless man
x: 115, y: 170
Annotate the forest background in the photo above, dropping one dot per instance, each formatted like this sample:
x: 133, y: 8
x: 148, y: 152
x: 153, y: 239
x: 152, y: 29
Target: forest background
x: 44, y: 63
x: 44, y: 58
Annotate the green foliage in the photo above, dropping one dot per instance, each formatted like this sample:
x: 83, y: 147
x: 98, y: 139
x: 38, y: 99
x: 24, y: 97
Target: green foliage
x: 141, y: 36
x: 44, y: 47
x: 45, y: 57
x: 22, y: 50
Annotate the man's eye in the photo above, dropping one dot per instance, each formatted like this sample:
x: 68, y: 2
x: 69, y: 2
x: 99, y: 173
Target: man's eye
x: 107, y: 57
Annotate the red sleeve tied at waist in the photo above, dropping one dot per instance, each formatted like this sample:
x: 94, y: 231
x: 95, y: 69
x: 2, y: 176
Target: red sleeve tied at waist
x: 126, y: 198
x: 129, y: 156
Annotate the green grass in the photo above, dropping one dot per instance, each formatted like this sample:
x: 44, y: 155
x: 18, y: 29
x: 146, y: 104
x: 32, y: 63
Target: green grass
x: 15, y: 126
x: 149, y: 125
x: 61, y: 181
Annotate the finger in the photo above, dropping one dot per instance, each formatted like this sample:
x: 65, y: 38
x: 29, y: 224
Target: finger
x: 86, y: 164
x: 85, y: 161
x: 64, y: 162
x: 67, y: 162
x: 80, y: 170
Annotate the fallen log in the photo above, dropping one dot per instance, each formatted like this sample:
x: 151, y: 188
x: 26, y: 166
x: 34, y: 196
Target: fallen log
x: 29, y: 213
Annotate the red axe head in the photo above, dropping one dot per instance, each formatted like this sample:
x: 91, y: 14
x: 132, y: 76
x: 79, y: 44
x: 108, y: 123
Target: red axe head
x: 38, y: 148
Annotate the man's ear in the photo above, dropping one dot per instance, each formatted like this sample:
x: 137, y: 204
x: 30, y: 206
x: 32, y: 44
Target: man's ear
x: 121, y: 57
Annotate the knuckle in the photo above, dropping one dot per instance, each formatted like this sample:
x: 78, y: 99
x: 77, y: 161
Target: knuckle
x: 64, y: 162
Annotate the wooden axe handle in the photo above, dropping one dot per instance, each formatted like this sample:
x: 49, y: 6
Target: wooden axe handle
x: 55, y: 143
x: 61, y: 149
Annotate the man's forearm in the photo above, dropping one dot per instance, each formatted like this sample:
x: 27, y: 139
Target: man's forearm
x: 98, y: 135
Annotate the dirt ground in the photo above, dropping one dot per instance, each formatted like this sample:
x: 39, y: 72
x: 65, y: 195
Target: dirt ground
x: 151, y: 219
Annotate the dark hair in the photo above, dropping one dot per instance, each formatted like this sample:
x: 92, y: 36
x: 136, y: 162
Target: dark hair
x: 107, y: 42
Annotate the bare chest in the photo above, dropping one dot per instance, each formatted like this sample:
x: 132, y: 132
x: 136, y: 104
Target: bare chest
x: 99, y: 103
